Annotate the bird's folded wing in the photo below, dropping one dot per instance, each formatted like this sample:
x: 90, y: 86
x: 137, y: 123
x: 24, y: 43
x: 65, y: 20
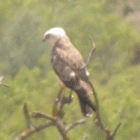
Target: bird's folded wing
x: 71, y: 59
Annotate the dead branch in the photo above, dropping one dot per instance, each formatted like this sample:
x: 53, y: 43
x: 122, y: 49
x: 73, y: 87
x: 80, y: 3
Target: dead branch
x: 90, y: 54
x: 27, y: 117
x: 75, y: 124
x: 111, y: 136
x: 115, y: 131
x: 28, y: 132
x: 98, y: 121
x: 55, y: 120
x: 37, y: 115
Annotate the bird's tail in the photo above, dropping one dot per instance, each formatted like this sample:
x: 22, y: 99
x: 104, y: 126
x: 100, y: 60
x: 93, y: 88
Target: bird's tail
x: 85, y: 102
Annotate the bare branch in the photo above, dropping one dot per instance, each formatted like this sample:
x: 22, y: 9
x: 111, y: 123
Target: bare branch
x: 37, y: 115
x: 27, y: 117
x: 29, y: 132
x: 79, y: 122
x: 90, y: 54
x: 115, y: 131
x: 54, y: 120
x: 25, y: 134
x: 98, y: 120
x: 44, y: 126
x: 61, y: 129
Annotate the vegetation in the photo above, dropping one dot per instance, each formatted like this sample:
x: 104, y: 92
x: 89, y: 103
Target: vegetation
x: 25, y: 64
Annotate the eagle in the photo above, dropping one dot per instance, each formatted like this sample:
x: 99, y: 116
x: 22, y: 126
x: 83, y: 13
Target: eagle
x: 69, y: 66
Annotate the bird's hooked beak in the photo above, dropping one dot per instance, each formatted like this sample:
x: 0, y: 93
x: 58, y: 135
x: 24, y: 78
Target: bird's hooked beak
x: 44, y: 39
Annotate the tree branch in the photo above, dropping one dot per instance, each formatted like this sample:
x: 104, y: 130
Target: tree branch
x: 90, y: 54
x: 37, y: 115
x: 115, y: 131
x: 28, y: 132
x: 27, y: 117
x: 55, y: 120
x: 75, y: 124
x: 98, y: 121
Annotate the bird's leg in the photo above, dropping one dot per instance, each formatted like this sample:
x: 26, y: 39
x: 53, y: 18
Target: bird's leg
x: 71, y: 92
x: 70, y: 96
x: 64, y: 100
x: 61, y: 91
x: 54, y: 110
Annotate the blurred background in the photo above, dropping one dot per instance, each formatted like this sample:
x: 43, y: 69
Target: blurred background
x: 114, y: 25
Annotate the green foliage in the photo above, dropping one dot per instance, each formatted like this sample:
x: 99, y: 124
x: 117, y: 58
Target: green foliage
x: 25, y: 22
x: 25, y: 63
x: 119, y: 102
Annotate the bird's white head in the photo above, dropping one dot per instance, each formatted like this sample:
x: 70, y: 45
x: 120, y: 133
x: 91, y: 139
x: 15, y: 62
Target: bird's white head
x: 52, y: 35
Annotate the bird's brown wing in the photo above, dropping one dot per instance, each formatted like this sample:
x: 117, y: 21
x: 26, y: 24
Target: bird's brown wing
x: 67, y: 62
x: 65, y: 66
x: 72, y: 59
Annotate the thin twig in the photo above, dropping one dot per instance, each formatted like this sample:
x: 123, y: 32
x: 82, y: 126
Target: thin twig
x: 44, y: 126
x: 27, y: 117
x: 98, y: 117
x: 75, y: 124
x: 98, y: 120
x: 41, y: 115
x: 2, y: 85
x: 55, y: 120
x: 62, y: 130
x: 115, y: 131
x: 90, y: 54
x: 29, y: 132
x: 98, y: 112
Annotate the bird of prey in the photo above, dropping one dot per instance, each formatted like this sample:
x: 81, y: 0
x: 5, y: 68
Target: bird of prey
x: 68, y: 64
